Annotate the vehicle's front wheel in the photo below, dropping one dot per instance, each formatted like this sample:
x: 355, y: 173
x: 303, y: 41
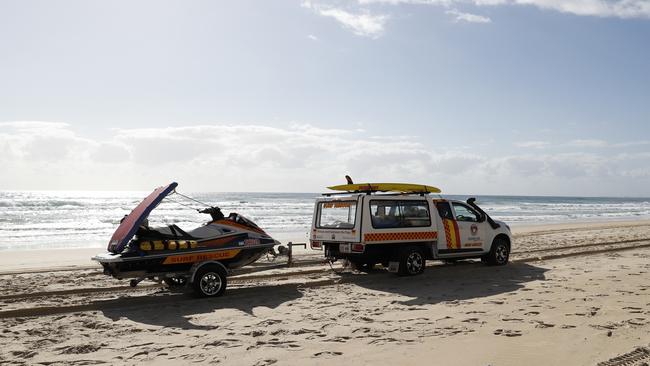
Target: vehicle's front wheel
x: 411, y: 262
x: 210, y: 281
x: 499, y: 253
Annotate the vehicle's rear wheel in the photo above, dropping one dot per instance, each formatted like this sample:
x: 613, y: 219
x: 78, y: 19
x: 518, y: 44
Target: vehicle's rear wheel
x: 411, y: 262
x: 210, y: 281
x: 178, y: 281
x: 499, y: 253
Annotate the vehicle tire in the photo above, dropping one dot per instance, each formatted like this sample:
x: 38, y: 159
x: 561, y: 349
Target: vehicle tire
x: 175, y: 282
x: 411, y: 262
x: 210, y: 281
x: 499, y: 252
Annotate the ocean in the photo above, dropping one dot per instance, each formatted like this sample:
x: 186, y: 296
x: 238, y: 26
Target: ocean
x: 81, y: 219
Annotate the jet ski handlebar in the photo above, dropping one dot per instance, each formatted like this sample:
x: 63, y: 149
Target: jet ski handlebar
x: 214, y: 211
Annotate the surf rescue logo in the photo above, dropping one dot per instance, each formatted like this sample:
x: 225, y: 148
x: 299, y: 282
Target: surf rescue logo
x: 201, y: 257
x: 249, y: 242
x: 474, y: 229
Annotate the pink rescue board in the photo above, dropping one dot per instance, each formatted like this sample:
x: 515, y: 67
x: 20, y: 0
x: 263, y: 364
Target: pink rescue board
x: 130, y: 224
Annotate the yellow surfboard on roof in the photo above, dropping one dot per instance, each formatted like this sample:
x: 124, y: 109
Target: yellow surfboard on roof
x: 386, y: 187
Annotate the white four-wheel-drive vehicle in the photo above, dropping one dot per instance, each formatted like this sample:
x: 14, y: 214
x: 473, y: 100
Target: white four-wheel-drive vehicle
x: 402, y: 230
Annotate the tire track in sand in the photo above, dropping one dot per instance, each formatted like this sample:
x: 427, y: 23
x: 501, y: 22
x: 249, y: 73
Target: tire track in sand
x: 166, y: 298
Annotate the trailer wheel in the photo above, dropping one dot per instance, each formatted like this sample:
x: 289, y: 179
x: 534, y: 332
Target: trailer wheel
x: 411, y: 262
x: 499, y: 253
x: 210, y: 281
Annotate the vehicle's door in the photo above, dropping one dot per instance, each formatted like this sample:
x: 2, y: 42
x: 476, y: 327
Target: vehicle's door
x: 449, y: 242
x: 472, y: 230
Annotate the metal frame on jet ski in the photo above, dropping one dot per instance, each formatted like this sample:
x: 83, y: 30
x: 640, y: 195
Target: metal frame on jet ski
x: 202, y: 257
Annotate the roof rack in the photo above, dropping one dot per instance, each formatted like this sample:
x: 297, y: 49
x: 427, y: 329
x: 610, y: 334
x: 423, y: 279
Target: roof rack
x: 382, y: 193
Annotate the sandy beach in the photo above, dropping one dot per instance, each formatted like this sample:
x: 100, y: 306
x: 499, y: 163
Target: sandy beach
x: 574, y: 294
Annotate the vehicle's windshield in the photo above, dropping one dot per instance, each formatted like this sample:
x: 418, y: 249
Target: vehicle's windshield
x: 337, y: 214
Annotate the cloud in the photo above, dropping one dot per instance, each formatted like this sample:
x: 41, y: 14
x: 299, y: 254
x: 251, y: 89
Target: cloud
x: 300, y: 157
x: 582, y: 143
x: 312, y: 37
x: 363, y: 23
x: 598, y: 8
x: 532, y: 144
x: 467, y: 17
x: 41, y: 142
x: 588, y: 143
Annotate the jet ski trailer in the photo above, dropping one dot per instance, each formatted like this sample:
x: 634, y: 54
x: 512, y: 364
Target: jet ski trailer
x: 201, y: 258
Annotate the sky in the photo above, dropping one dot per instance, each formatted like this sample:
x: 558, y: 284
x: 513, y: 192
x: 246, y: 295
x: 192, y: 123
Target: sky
x: 509, y: 97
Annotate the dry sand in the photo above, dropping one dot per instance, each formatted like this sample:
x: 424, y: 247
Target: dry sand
x: 587, y: 301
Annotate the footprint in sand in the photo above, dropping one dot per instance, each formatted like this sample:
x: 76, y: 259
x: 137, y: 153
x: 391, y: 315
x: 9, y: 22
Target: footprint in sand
x: 24, y: 354
x: 267, y: 362
x: 495, y: 302
x: 340, y: 339
x: 362, y: 330
x: 633, y: 310
x: 255, y: 333
x: 541, y: 324
x: 519, y: 320
x: 507, y: 332
x: 80, y: 349
x: 327, y: 354
x: 471, y: 320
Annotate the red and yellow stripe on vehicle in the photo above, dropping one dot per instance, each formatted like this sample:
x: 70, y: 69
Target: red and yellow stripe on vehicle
x: 425, y: 235
x: 452, y: 234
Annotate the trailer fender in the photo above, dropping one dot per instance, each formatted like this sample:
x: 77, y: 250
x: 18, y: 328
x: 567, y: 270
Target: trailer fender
x: 198, y: 265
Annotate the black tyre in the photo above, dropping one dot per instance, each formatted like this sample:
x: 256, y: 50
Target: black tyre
x: 411, y: 262
x: 176, y: 282
x: 210, y: 281
x: 499, y: 253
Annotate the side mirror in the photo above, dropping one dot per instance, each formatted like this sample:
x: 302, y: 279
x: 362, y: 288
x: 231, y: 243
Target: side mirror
x: 482, y: 218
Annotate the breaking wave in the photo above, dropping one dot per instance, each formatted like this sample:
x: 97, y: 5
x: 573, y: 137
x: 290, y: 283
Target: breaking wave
x: 31, y: 220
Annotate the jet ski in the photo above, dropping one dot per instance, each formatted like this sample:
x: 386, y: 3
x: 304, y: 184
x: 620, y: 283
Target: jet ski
x: 202, y: 258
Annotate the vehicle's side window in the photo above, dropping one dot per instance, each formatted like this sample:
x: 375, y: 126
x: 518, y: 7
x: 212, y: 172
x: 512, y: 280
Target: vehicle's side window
x: 415, y: 213
x: 398, y: 214
x: 444, y: 209
x: 385, y: 214
x: 464, y: 213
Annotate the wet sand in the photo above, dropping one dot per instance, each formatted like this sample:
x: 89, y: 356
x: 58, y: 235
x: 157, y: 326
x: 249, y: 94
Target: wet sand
x: 578, y: 306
